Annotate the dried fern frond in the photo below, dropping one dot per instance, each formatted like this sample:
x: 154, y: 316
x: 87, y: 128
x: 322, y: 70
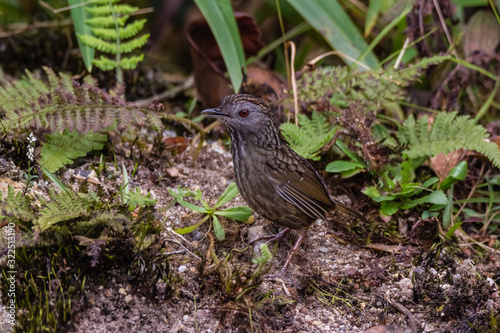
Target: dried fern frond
x: 448, y: 133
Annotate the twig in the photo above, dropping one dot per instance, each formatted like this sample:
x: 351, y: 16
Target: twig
x: 445, y: 27
x: 171, y: 93
x: 401, y: 54
x: 294, y: 82
x: 340, y: 54
x: 406, y: 312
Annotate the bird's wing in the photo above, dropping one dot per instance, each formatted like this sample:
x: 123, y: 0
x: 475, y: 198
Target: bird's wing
x: 296, y: 181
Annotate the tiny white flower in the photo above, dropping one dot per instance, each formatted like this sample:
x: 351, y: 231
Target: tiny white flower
x: 31, y: 153
x: 31, y: 138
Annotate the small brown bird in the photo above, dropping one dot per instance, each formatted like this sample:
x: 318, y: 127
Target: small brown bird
x: 274, y: 180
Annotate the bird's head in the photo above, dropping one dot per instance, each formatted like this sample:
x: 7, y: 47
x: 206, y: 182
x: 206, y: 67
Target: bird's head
x: 243, y: 113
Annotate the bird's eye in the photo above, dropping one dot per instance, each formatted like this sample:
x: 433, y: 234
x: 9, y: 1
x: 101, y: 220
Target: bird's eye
x: 244, y: 113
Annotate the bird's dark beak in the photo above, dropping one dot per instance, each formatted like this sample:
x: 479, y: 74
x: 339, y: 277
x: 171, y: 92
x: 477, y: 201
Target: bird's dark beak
x: 215, y: 113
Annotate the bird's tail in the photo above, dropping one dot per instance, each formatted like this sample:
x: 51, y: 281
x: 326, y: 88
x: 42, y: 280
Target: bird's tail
x: 349, y: 211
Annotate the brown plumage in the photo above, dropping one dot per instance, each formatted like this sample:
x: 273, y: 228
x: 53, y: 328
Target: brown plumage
x: 273, y: 179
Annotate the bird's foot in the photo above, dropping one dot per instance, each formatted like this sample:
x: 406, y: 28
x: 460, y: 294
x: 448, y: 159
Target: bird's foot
x: 288, y: 260
x: 271, y: 238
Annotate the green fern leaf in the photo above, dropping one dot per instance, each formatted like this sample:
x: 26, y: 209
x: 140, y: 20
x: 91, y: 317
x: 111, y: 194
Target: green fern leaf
x: 61, y: 207
x: 16, y: 206
x: 134, y: 44
x: 106, y: 10
x: 62, y: 148
x: 101, y: 21
x: 105, y: 63
x: 448, y: 133
x: 98, y: 43
x: 310, y: 137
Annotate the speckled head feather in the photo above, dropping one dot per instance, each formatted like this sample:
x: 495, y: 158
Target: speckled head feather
x: 243, y: 98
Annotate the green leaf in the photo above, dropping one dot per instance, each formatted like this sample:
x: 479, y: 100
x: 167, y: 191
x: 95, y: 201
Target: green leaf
x: 383, y: 198
x: 340, y: 166
x: 236, y: 213
x: 265, y: 255
x: 452, y: 230
x: 459, y: 172
x: 372, y: 15
x: 437, y: 198
x: 430, y: 182
x: 193, y: 207
x: 371, y: 191
x: 220, y: 18
x: 62, y: 148
x: 230, y: 192
x: 55, y: 180
x: 389, y: 207
x: 333, y: 23
x: 182, y: 231
x: 353, y: 156
x: 219, y: 232
x: 79, y: 15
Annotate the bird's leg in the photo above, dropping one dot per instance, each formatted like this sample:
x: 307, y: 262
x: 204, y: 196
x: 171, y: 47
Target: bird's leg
x: 302, y: 235
x: 271, y: 238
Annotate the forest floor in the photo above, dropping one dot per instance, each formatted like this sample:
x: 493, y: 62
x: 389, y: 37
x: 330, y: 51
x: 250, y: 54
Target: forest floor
x: 332, y: 285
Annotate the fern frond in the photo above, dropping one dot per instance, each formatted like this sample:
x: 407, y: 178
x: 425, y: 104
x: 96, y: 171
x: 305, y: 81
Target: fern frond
x: 373, y: 89
x: 62, y: 207
x: 130, y: 30
x: 109, y: 38
x: 62, y: 148
x: 51, y: 106
x: 448, y: 133
x: 310, y: 137
x: 100, y: 21
x: 98, y: 43
x: 107, y: 10
x: 131, y: 62
x: 134, y: 44
x: 16, y: 206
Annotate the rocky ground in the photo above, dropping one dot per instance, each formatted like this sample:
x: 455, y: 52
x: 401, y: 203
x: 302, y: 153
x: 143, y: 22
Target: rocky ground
x: 332, y: 285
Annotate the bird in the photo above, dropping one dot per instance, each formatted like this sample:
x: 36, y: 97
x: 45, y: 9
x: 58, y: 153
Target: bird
x: 273, y: 179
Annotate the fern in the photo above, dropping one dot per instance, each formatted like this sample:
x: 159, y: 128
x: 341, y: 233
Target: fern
x: 16, y: 206
x: 448, y: 133
x: 310, y: 137
x: 62, y: 148
x: 64, y: 104
x: 113, y: 36
x: 63, y: 207
x: 372, y: 89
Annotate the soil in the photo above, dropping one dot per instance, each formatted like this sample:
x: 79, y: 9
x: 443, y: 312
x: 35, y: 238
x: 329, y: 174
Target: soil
x: 332, y: 285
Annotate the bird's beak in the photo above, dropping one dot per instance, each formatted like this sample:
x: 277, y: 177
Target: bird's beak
x: 215, y: 113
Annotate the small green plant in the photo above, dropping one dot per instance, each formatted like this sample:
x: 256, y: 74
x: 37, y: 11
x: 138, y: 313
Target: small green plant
x: 134, y: 198
x: 448, y: 132
x: 62, y: 148
x: 112, y: 35
x: 347, y: 168
x: 236, y: 213
x: 310, y: 137
x: 190, y: 106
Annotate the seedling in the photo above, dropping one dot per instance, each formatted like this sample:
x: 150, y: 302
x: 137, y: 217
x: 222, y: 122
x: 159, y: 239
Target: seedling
x: 240, y: 214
